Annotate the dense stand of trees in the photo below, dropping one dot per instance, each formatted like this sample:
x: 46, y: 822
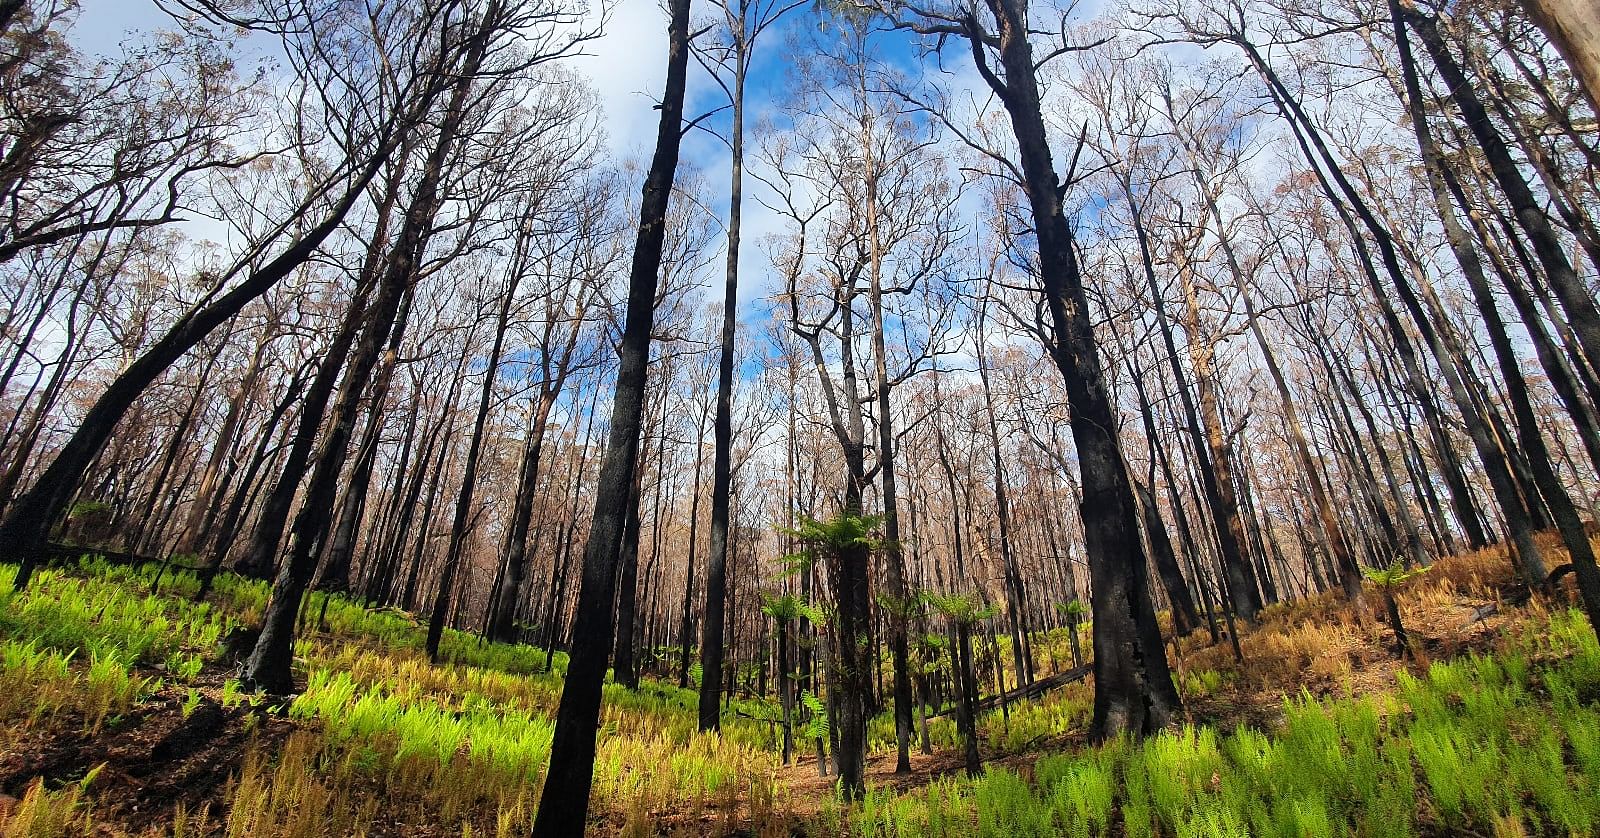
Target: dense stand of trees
x: 1154, y: 321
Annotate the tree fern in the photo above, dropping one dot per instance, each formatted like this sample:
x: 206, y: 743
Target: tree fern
x: 787, y: 607
x: 817, y: 727
x: 962, y: 609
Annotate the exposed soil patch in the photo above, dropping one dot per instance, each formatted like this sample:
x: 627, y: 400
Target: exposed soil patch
x: 149, y: 760
x: 807, y: 787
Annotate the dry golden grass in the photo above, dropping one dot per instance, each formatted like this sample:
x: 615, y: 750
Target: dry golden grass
x: 1329, y: 647
x: 335, y: 769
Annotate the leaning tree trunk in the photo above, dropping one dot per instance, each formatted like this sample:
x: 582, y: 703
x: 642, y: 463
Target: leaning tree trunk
x: 1134, y: 692
x: 1574, y: 28
x: 341, y: 543
x: 469, y: 479
x: 1563, y: 278
x: 502, y: 618
x: 1238, y: 574
x: 260, y: 556
x: 1184, y: 617
x: 1245, y: 584
x: 1343, y: 558
x: 211, y: 477
x: 564, y: 803
x: 228, y: 524
x: 268, y: 667
x: 1307, y: 136
x: 1549, y: 484
x: 26, y: 527
x: 1494, y: 459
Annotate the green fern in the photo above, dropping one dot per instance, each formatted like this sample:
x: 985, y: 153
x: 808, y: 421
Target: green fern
x: 787, y: 607
x: 1393, y: 575
x: 831, y: 537
x: 1074, y: 609
x: 817, y: 727
x: 962, y: 609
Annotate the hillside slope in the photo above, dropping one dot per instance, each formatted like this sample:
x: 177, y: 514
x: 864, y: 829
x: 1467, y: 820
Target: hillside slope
x: 119, y: 716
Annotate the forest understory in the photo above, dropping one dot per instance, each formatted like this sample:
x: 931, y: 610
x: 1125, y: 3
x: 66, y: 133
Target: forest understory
x: 123, y: 715
x: 901, y: 418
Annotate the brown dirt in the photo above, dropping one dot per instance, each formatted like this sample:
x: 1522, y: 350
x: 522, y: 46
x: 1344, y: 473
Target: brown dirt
x: 148, y: 761
x: 1463, y: 606
x: 807, y: 787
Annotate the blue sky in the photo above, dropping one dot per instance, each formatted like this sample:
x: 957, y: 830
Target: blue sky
x: 626, y: 68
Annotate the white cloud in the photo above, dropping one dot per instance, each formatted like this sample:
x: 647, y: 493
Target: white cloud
x: 626, y: 66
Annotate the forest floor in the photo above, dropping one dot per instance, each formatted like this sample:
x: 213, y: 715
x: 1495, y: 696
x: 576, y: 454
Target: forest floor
x: 120, y: 715
x: 1324, y: 648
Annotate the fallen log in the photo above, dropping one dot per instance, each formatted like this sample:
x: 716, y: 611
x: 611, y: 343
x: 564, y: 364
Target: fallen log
x: 1026, y: 691
x: 56, y: 553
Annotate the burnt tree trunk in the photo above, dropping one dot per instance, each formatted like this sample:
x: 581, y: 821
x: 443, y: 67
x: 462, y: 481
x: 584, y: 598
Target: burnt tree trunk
x: 459, y: 524
x: 268, y: 667
x: 1134, y: 693
x: 564, y: 802
x: 30, y: 517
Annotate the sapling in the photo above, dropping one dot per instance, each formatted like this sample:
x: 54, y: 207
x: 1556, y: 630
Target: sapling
x: 1074, y: 612
x: 784, y: 609
x: 1388, y: 579
x: 964, y: 612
